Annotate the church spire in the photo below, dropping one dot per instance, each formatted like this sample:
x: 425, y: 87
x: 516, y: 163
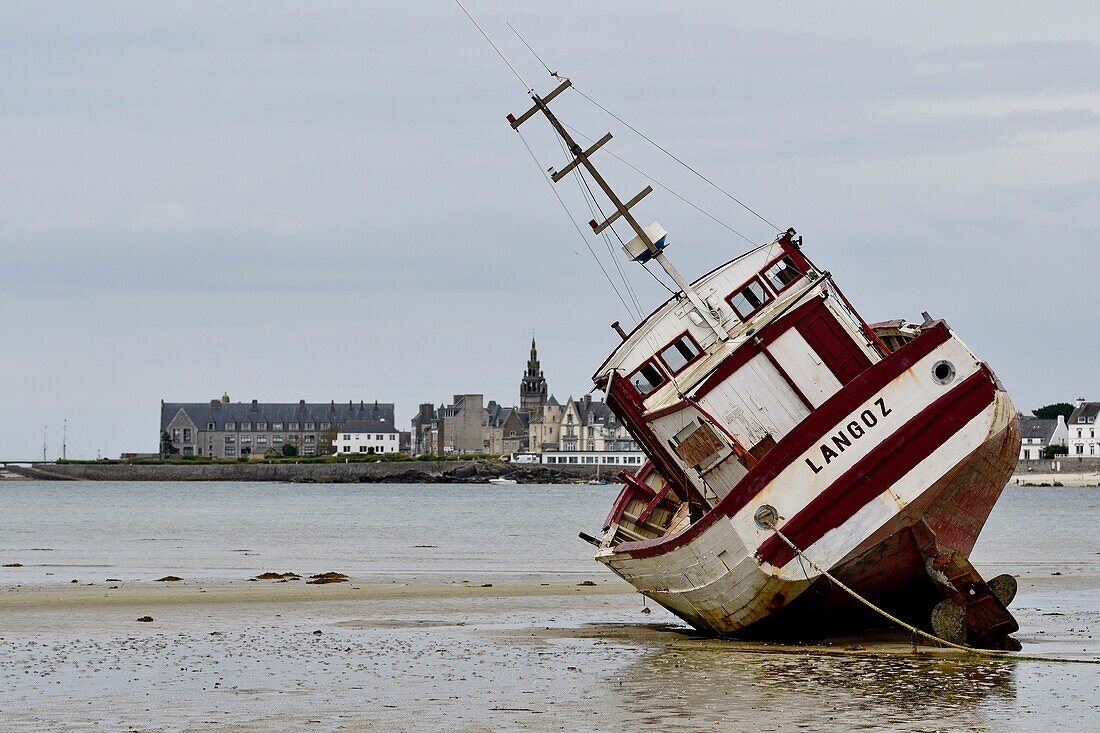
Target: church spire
x: 532, y: 388
x: 533, y: 362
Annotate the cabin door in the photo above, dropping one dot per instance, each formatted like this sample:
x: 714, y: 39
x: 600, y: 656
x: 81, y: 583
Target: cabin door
x: 833, y: 344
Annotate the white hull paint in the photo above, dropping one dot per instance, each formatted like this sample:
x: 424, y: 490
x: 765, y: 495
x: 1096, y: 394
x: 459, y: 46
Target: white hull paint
x: 717, y: 582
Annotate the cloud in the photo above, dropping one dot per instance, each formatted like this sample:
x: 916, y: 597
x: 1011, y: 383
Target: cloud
x: 241, y: 173
x: 1065, y: 197
x: 172, y: 215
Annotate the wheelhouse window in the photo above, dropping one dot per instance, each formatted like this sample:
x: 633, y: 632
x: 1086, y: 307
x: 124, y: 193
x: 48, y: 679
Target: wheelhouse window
x: 681, y: 352
x: 782, y: 273
x: 749, y: 299
x: 647, y: 378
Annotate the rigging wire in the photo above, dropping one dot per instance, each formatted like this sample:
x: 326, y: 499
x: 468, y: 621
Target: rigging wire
x: 574, y: 223
x: 660, y: 185
x: 665, y: 188
x: 525, y: 43
x: 910, y: 627
x: 659, y: 280
x: 645, y: 137
x: 555, y: 74
x: 500, y: 53
x: 589, y: 201
x: 530, y: 91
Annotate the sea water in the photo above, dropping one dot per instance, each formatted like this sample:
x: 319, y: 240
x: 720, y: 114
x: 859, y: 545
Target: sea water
x: 83, y: 530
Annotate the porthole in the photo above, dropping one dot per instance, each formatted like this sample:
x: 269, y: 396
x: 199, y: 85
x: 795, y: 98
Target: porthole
x: 766, y: 517
x: 943, y: 372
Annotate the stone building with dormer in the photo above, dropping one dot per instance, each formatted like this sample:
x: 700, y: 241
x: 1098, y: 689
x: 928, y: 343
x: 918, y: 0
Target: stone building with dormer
x: 224, y: 429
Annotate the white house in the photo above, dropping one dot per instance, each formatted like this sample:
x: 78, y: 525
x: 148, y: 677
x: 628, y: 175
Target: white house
x: 1037, y: 433
x: 1082, y: 429
x: 366, y: 436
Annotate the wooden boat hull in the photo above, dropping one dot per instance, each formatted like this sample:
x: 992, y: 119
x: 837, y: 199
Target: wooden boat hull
x: 940, y: 458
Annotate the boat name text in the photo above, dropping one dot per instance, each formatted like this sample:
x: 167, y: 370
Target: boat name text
x: 842, y: 440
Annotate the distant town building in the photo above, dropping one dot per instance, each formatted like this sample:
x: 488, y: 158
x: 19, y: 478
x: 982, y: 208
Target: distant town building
x: 1082, y: 429
x: 590, y: 425
x: 366, y: 436
x: 532, y: 388
x: 457, y: 426
x: 423, y: 430
x: 544, y: 427
x: 1037, y: 433
x: 505, y: 430
x: 539, y: 424
x: 224, y: 429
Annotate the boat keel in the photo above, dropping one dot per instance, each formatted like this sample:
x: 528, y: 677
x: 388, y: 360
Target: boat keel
x: 972, y: 611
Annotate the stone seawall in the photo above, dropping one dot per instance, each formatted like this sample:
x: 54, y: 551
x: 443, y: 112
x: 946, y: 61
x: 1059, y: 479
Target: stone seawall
x: 397, y: 472
x: 1061, y: 464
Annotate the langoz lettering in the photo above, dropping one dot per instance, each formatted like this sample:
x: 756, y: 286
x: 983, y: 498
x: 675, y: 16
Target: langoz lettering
x: 853, y: 431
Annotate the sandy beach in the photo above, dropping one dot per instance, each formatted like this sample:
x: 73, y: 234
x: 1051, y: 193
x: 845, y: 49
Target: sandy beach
x: 542, y: 654
x: 1056, y: 479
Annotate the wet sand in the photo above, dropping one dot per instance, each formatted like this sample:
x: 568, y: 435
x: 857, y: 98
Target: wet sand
x: 531, y: 652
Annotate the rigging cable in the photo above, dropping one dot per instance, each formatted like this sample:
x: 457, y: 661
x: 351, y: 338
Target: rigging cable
x: 633, y: 129
x: 592, y: 198
x: 665, y: 188
x: 503, y: 58
x: 590, y: 201
x: 661, y: 282
x: 642, y: 135
x: 910, y: 627
x: 525, y: 43
x: 531, y: 91
x: 635, y: 169
x: 574, y: 223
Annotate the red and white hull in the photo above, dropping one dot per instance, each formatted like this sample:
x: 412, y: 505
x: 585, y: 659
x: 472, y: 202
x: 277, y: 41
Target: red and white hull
x: 765, y: 402
x: 894, y: 448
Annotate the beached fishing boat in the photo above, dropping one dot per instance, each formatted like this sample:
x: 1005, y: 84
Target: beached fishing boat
x: 789, y: 439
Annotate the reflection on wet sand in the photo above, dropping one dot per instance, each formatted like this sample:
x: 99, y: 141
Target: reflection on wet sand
x: 685, y: 680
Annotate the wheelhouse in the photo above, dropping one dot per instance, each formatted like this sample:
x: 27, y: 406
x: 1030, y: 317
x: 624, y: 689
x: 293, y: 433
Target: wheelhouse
x: 707, y: 408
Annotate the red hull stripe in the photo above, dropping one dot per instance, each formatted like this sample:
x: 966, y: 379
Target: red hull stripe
x: 805, y: 435
x: 884, y: 466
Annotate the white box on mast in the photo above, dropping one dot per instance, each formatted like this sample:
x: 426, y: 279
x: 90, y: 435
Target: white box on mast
x: 638, y: 250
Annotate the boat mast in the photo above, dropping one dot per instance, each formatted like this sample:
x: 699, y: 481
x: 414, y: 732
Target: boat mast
x: 581, y: 157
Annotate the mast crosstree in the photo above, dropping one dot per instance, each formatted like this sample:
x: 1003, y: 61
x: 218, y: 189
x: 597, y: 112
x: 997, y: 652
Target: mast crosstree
x: 648, y: 242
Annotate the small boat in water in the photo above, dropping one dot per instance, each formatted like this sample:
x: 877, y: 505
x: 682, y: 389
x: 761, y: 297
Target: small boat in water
x: 503, y: 481
x: 791, y: 443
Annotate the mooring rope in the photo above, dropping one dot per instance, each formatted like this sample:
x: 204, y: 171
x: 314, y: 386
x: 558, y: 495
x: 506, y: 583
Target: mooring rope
x: 910, y: 627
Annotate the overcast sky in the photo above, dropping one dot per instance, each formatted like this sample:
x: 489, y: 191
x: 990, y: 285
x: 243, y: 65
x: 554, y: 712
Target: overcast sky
x: 323, y: 200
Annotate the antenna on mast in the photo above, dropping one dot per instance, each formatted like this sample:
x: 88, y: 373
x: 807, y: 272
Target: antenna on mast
x: 44, y: 427
x: 64, y: 437
x: 648, y: 242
